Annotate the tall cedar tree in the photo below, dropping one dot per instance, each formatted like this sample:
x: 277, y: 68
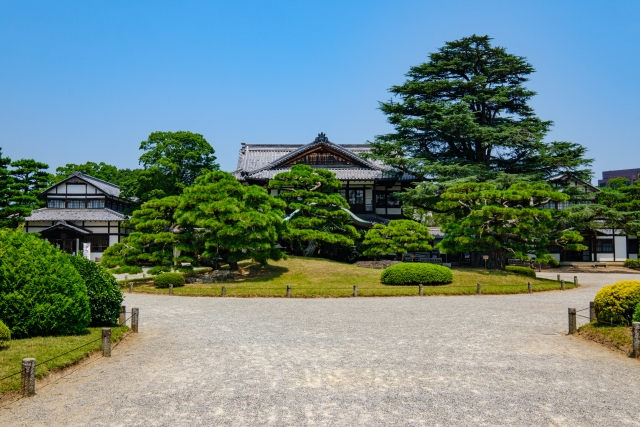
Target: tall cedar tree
x: 465, y: 113
x: 172, y: 161
x: 506, y: 223
x: 235, y: 221
x: 318, y: 217
x: 398, y: 237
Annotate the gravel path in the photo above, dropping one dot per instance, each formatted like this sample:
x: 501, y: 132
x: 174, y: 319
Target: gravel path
x: 436, y: 361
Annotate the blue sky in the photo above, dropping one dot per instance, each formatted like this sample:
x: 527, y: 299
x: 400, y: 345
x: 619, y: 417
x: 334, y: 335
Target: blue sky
x: 87, y: 81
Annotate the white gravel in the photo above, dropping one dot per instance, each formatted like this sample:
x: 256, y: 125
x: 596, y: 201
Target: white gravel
x: 436, y: 361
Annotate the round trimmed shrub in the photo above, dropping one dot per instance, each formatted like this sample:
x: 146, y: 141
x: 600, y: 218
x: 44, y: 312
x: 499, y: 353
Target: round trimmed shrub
x: 105, y: 296
x: 415, y: 274
x: 616, y: 303
x: 158, y: 269
x: 523, y: 271
x: 5, y: 335
x: 165, y: 279
x: 42, y: 293
x: 126, y: 269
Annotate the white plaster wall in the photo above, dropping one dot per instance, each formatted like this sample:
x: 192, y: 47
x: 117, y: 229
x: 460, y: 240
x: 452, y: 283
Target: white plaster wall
x: 633, y: 256
x: 556, y: 257
x: 368, y: 194
x: 620, y: 243
x: 605, y: 257
x: 100, y: 230
x: 113, y: 240
x: 94, y: 255
x: 380, y: 211
x: 394, y: 211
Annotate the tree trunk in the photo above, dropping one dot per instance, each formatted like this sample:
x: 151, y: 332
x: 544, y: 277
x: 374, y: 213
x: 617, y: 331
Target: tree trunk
x: 497, y: 259
x: 233, y: 265
x: 310, y: 249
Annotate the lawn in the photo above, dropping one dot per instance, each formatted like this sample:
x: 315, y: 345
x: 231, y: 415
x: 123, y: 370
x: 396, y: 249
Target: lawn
x: 44, y: 348
x: 311, y: 277
x: 615, y: 337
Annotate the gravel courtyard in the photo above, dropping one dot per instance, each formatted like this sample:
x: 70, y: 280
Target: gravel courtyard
x: 436, y: 361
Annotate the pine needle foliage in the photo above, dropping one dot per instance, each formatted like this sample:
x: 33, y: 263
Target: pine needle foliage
x: 398, y: 237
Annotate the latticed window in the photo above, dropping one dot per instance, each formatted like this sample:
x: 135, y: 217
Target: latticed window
x: 76, y: 204
x: 55, y: 204
x: 95, y: 204
x: 604, y: 245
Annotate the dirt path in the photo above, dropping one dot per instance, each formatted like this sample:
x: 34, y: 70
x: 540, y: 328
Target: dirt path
x: 437, y: 361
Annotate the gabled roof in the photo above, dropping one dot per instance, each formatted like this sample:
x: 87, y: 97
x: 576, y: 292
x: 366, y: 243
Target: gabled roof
x: 567, y: 177
x: 106, y: 187
x: 264, y: 161
x: 50, y: 214
x: 63, y: 224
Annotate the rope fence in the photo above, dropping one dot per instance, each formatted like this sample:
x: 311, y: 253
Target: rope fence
x: 29, y: 365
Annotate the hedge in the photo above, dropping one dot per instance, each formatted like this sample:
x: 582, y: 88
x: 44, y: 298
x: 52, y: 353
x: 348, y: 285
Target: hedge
x: 636, y: 314
x: 5, y: 335
x: 523, y: 271
x: 165, y: 279
x: 105, y: 296
x: 632, y: 263
x: 126, y: 269
x: 616, y: 303
x: 42, y: 293
x: 415, y: 274
x: 158, y: 269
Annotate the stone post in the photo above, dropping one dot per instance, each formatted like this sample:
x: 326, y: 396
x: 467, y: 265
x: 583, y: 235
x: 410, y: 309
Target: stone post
x: 288, y: 291
x: 106, y: 342
x: 572, y: 321
x: 28, y: 383
x: 130, y: 287
x: 575, y: 281
x: 479, y: 289
x: 420, y: 291
x: 592, y: 312
x: 134, y: 319
x: 635, y: 331
x: 558, y: 277
x: 123, y: 315
x: 224, y: 290
x: 170, y: 289
x: 562, y: 285
x: 530, y: 287
x: 355, y: 290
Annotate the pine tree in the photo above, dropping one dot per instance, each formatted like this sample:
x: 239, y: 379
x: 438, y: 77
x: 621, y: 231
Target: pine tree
x: 398, y: 237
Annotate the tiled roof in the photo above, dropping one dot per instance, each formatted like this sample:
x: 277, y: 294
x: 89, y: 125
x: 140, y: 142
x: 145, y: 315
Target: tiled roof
x: 341, y: 173
x: 62, y: 224
x: 47, y: 214
x: 104, y: 186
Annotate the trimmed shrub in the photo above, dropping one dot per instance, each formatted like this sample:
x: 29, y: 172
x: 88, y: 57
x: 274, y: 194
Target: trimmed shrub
x: 553, y: 263
x: 5, y: 335
x: 42, y: 293
x: 105, y: 296
x: 165, y: 279
x: 616, y: 303
x: 636, y: 313
x: 632, y: 263
x: 415, y: 274
x: 126, y: 269
x: 158, y: 269
x: 523, y: 271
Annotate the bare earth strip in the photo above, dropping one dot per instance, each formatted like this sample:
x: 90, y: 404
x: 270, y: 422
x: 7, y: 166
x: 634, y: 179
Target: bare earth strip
x: 436, y: 361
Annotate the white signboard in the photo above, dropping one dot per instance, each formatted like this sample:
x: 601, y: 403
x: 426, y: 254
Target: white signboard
x: 86, y: 250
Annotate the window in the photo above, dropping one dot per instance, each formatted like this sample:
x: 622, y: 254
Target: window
x: 554, y: 249
x: 95, y: 204
x: 632, y: 246
x: 381, y: 199
x: 604, y: 245
x: 356, y: 197
x: 55, y: 204
x: 75, y: 204
x: 99, y: 242
x: 392, y: 200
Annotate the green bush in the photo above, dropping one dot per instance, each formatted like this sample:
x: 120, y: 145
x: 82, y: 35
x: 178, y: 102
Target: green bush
x: 616, y: 303
x: 632, y: 263
x: 42, y: 293
x: 416, y: 273
x: 636, y: 313
x: 523, y: 271
x: 5, y: 335
x: 158, y: 269
x: 165, y: 279
x: 553, y: 262
x: 126, y: 269
x: 105, y: 296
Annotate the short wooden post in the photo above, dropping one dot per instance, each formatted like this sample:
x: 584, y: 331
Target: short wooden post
x: 123, y: 314
x: 420, y: 291
x: 530, y: 287
x: 224, y: 290
x: 130, y: 287
x: 106, y: 342
x: 288, y: 291
x: 479, y: 289
x: 592, y: 312
x: 635, y: 331
x: 575, y: 281
x: 562, y: 285
x: 28, y: 383
x: 126, y: 277
x: 572, y: 321
x: 355, y: 290
x: 170, y: 289
x: 134, y: 319
x: 539, y: 266
x: 558, y: 277
x: 144, y: 275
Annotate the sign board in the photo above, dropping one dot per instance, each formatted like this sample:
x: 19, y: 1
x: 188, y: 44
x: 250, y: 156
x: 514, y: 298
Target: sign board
x: 86, y: 250
x: 485, y: 257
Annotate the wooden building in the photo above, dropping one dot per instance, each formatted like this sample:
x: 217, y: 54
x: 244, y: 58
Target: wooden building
x: 80, y: 209
x: 368, y: 186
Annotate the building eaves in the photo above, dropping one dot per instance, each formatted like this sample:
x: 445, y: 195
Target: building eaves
x: 48, y: 214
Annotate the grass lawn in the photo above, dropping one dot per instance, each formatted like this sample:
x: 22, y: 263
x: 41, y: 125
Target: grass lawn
x: 615, y: 337
x: 312, y: 277
x: 44, y: 348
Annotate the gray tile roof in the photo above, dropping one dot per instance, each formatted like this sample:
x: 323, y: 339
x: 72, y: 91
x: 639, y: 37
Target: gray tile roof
x: 104, y: 186
x: 47, y: 214
x: 62, y: 224
x: 263, y: 161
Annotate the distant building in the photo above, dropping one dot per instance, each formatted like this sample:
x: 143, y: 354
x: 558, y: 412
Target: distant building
x: 630, y: 174
x: 368, y: 186
x: 80, y: 209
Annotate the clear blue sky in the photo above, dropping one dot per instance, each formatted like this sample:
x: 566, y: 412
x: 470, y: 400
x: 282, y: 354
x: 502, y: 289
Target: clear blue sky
x: 87, y: 81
